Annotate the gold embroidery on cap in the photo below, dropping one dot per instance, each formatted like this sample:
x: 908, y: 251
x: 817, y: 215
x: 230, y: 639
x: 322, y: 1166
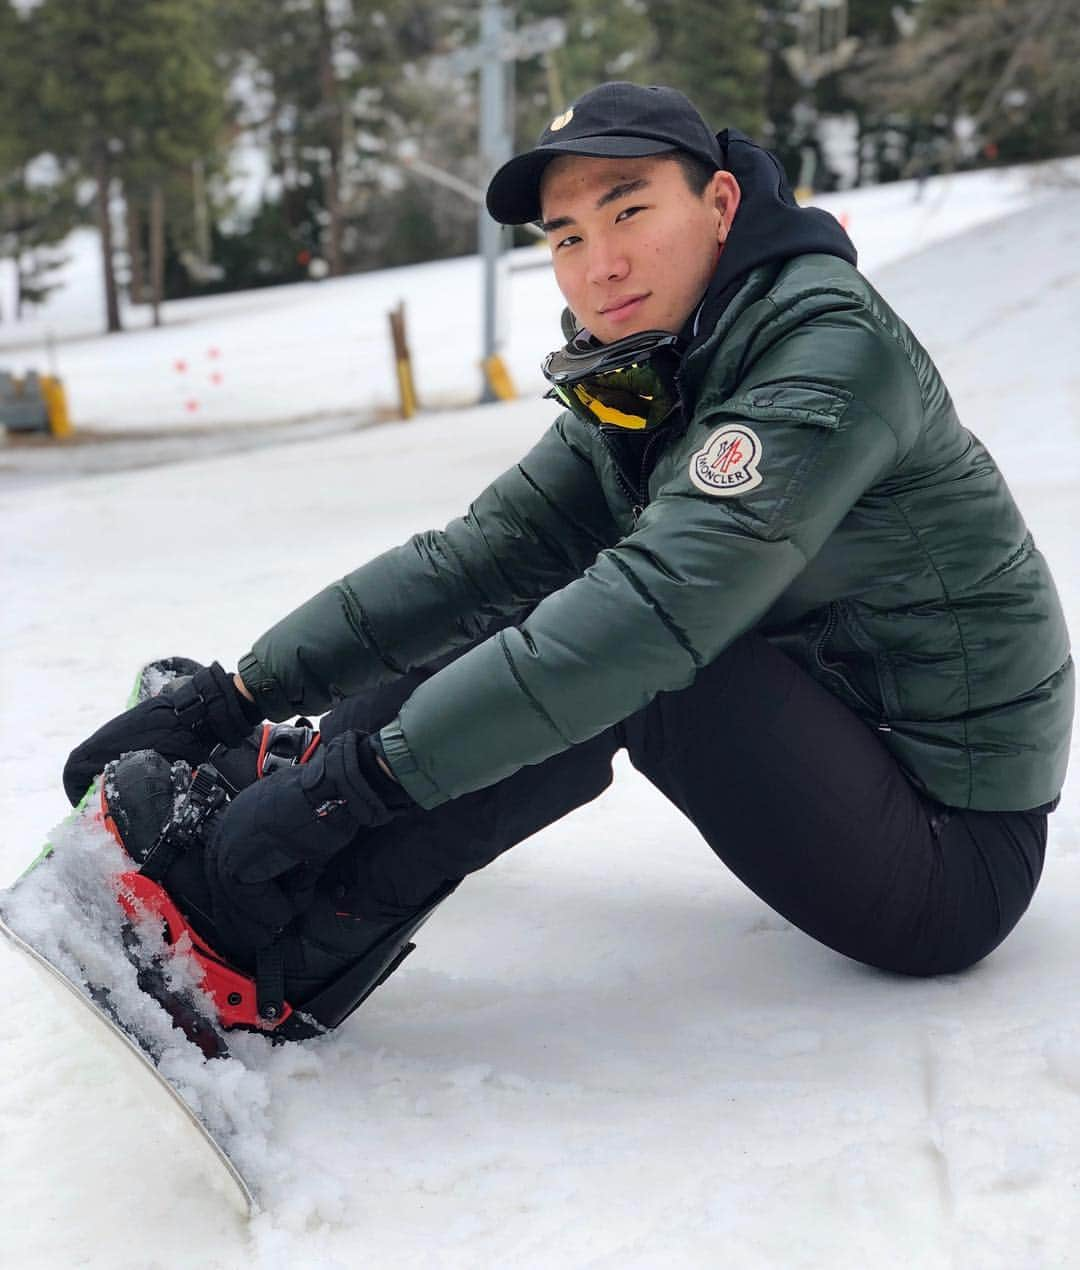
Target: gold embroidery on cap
x: 560, y: 121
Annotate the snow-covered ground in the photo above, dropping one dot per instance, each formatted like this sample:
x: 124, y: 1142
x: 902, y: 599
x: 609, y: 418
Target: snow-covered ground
x: 605, y: 1052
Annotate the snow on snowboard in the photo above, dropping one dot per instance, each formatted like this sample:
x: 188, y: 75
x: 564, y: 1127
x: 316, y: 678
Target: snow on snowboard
x: 66, y: 914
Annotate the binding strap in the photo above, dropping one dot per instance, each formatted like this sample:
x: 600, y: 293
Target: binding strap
x: 205, y: 795
x: 188, y: 702
x: 270, y: 983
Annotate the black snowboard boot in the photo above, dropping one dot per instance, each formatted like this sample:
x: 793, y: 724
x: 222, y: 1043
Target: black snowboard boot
x: 320, y: 969
x: 142, y: 793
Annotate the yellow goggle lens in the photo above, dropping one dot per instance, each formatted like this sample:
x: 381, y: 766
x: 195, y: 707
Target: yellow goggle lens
x: 611, y: 414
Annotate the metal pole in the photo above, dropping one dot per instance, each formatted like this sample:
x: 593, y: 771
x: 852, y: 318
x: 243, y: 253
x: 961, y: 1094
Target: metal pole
x: 495, y: 147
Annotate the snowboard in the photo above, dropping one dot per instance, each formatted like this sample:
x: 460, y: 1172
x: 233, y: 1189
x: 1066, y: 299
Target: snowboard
x: 63, y: 914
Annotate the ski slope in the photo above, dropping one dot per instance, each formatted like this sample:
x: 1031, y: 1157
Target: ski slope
x: 605, y: 1052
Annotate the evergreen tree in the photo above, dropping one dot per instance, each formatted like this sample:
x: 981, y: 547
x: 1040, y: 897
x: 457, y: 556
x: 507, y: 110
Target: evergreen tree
x: 869, y: 28
x: 37, y: 212
x: 611, y: 39
x: 1009, y: 71
x: 37, y: 201
x: 716, y: 55
x: 128, y: 88
x: 176, y: 119
x: 330, y: 90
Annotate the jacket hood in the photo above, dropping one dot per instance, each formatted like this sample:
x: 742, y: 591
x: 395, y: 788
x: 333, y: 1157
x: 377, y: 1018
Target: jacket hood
x: 769, y: 226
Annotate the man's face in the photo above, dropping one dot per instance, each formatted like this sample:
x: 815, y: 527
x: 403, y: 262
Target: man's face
x: 633, y: 246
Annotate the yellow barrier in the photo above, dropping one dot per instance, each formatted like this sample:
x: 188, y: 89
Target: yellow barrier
x: 498, y: 378
x: 52, y: 390
x: 406, y: 389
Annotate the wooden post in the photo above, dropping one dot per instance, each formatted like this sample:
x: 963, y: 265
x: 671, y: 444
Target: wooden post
x: 402, y: 361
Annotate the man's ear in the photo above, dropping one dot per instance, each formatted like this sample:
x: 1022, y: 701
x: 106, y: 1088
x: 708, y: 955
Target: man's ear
x: 726, y: 195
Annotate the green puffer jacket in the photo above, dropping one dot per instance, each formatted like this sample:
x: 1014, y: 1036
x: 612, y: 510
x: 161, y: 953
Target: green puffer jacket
x: 821, y: 491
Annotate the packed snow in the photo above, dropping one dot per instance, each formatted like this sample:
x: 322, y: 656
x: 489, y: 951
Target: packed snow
x: 605, y: 1052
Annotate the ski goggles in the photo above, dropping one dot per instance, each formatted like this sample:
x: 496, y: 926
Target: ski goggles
x: 628, y: 384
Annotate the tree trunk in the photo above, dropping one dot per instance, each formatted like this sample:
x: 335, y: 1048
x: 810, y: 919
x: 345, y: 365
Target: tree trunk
x: 157, y: 249
x: 136, y: 260
x: 331, y: 105
x: 203, y: 246
x: 104, y: 181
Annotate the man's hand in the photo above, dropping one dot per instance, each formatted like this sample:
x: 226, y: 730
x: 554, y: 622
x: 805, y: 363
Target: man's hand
x: 185, y: 720
x: 277, y: 835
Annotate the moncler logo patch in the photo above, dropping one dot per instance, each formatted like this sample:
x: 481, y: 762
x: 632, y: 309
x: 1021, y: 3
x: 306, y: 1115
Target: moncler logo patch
x: 728, y: 462
x: 560, y: 121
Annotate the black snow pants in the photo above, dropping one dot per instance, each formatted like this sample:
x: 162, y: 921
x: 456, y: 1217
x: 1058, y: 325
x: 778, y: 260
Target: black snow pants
x: 794, y: 793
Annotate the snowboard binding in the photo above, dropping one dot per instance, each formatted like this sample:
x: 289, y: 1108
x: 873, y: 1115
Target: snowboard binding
x: 161, y: 814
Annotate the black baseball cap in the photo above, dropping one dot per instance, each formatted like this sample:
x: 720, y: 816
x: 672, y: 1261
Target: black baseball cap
x: 616, y: 120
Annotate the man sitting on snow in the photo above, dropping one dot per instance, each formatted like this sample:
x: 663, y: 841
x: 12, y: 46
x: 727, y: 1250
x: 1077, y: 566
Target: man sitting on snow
x: 757, y: 550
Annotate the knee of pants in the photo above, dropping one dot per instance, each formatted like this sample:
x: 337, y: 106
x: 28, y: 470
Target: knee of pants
x: 923, y: 967
x: 945, y: 957
x: 1007, y: 865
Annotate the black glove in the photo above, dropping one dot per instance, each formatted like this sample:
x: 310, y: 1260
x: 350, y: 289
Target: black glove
x: 277, y: 835
x: 185, y: 720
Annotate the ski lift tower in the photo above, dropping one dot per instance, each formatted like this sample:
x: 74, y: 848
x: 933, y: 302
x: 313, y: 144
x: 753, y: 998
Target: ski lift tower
x: 499, y: 48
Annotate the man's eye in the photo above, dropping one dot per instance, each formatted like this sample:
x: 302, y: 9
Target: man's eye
x: 627, y: 212
x: 568, y: 241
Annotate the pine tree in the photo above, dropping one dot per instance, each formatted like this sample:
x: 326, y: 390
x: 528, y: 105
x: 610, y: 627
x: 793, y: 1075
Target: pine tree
x: 605, y: 40
x: 1009, y: 70
x: 129, y: 88
x: 37, y: 212
x: 37, y: 201
x: 329, y: 97
x: 716, y: 55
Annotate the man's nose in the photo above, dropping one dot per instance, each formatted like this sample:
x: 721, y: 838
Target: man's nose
x: 606, y: 263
